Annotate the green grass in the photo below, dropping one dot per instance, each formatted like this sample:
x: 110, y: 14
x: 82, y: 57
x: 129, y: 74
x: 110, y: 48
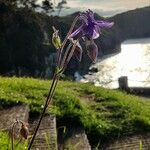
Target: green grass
x: 104, y: 113
x: 5, y: 143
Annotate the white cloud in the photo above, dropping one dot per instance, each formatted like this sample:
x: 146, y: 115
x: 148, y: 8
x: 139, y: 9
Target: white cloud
x: 104, y: 7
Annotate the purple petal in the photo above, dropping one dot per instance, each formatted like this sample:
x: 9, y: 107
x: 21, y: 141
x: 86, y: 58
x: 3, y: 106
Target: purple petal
x: 76, y: 32
x: 92, y: 50
x: 91, y: 32
x: 90, y: 28
x: 104, y: 24
x: 95, y: 34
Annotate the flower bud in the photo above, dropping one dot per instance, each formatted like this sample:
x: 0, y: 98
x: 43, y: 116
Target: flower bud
x: 56, y: 39
x: 24, y: 132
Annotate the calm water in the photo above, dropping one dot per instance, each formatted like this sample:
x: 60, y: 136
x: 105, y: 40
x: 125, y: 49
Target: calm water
x: 133, y: 61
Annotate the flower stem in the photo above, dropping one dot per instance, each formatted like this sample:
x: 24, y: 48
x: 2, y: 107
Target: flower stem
x: 43, y: 112
x: 67, y: 59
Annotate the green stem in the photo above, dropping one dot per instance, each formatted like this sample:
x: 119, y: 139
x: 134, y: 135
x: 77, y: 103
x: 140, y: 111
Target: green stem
x: 67, y: 59
x: 43, y: 112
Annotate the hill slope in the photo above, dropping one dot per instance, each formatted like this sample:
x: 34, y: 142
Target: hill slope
x: 134, y: 23
x: 103, y: 113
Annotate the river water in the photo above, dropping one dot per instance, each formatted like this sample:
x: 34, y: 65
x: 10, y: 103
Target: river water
x: 133, y: 61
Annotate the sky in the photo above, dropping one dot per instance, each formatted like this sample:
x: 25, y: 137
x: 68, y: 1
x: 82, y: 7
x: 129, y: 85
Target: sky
x: 103, y: 7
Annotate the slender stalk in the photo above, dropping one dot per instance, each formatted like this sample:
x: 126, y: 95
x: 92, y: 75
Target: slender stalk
x: 71, y: 52
x: 52, y: 94
x: 65, y: 55
x: 43, y: 112
x: 67, y: 59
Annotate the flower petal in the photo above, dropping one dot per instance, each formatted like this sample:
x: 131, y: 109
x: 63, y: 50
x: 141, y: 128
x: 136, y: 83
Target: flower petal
x: 90, y: 27
x: 76, y: 32
x: 95, y: 34
x: 92, y: 50
x: 78, y: 52
x: 104, y: 24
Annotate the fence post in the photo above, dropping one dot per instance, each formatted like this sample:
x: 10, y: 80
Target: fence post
x: 123, y: 83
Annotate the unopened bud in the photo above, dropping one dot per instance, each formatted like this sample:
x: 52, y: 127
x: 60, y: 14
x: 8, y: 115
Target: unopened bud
x: 56, y: 39
x: 24, y: 131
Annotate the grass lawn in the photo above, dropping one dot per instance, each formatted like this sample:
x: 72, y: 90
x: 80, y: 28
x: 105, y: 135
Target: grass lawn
x: 103, y: 113
x: 5, y: 143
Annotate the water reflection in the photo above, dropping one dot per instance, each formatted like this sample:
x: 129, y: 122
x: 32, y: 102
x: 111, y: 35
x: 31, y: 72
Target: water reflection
x: 133, y: 61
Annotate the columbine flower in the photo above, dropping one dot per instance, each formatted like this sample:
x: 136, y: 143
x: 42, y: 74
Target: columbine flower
x: 89, y: 30
x: 90, y: 27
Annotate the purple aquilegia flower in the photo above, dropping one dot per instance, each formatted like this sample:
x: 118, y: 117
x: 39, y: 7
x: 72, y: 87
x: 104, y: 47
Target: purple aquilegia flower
x: 90, y: 27
x: 89, y: 30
